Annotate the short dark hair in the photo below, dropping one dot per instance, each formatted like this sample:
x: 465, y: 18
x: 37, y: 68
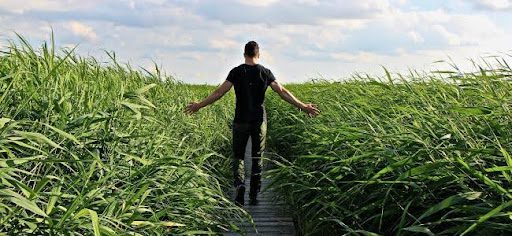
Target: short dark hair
x: 251, y: 49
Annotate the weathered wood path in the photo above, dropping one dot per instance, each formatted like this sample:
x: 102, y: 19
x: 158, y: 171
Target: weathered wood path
x: 270, y: 215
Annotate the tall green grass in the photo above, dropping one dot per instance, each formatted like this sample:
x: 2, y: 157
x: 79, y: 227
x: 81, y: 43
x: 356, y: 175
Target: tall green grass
x: 418, y: 154
x: 88, y: 147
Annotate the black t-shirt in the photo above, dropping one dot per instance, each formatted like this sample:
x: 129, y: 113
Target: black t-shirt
x: 250, y: 82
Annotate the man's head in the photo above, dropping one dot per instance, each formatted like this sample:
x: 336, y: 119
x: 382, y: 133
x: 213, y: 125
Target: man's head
x: 252, y: 50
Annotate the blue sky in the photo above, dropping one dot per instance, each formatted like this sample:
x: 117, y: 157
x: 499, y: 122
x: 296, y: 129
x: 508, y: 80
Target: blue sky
x: 199, y: 41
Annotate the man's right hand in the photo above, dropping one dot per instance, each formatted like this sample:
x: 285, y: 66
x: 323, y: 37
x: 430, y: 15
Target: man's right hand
x: 286, y: 95
x: 311, y: 109
x: 192, y: 108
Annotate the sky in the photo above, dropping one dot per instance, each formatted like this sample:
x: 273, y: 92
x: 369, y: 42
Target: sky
x: 199, y: 41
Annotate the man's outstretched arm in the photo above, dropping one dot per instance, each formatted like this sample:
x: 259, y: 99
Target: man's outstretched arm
x: 216, y: 95
x: 286, y: 95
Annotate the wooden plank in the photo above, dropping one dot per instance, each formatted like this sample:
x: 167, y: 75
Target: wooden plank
x: 269, y: 224
x: 270, y: 215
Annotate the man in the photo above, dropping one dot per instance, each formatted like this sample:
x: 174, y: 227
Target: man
x: 250, y: 81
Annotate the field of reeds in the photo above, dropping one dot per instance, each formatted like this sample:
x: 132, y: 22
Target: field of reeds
x: 98, y: 148
x: 426, y: 154
x: 88, y: 147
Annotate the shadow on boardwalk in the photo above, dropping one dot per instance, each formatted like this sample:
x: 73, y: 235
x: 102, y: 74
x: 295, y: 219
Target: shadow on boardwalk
x: 270, y: 215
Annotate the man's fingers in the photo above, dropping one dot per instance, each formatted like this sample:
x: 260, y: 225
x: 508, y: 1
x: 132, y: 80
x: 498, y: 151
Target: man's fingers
x: 188, y: 110
x: 313, y: 111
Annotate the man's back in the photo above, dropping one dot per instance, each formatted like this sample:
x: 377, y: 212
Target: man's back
x: 250, y: 83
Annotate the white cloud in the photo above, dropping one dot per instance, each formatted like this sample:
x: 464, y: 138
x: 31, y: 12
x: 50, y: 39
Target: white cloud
x: 415, y: 36
x: 82, y: 30
x: 17, y: 6
x: 308, y: 2
x: 360, y: 57
x: 401, y: 2
x: 224, y: 44
x: 287, y: 12
x: 495, y: 4
x: 348, y: 24
x: 131, y: 4
x: 298, y: 38
x: 259, y: 3
x: 439, y: 28
x: 451, y: 38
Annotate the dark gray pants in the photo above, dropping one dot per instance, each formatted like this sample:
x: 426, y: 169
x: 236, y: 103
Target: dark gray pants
x: 241, y: 134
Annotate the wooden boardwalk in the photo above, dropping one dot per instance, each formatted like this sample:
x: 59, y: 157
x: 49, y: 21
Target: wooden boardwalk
x: 270, y: 215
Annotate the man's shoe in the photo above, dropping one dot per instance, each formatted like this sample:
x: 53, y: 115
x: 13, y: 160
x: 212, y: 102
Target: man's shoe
x: 253, y: 193
x: 240, y: 193
x: 255, y: 186
x: 253, y: 200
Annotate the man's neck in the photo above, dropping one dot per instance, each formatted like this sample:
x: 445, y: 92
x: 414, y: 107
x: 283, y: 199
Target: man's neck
x: 251, y: 61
